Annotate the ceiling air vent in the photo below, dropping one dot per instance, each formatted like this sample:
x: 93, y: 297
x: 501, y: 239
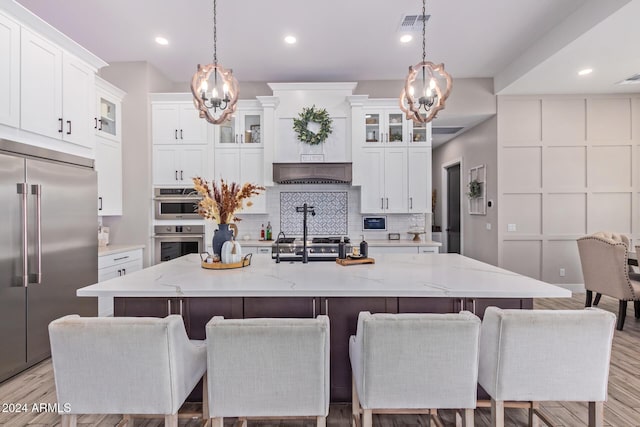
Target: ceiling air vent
x: 633, y: 80
x: 411, y: 23
x: 445, y: 130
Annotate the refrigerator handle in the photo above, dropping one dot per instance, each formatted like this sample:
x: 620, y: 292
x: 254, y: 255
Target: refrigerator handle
x: 23, y: 191
x: 36, y: 190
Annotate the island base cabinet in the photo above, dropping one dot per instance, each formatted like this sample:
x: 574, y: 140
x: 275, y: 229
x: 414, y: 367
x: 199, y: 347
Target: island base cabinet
x: 282, y: 307
x: 343, y: 321
x: 201, y: 310
x: 454, y: 305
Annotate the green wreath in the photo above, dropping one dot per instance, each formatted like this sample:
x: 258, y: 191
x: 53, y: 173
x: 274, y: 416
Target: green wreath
x: 313, y: 115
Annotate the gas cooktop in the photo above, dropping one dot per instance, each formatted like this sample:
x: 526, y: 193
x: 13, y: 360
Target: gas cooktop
x: 318, y: 248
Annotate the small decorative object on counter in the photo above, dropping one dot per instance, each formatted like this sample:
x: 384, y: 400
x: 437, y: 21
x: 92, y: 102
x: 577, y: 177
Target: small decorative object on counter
x: 262, y: 232
x: 342, y: 249
x: 231, y: 252
x: 364, y: 248
x: 268, y: 233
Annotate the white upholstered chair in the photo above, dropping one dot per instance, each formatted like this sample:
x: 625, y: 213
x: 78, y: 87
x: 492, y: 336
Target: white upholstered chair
x: 415, y: 364
x: 267, y: 368
x: 545, y: 355
x: 604, y: 259
x: 124, y: 365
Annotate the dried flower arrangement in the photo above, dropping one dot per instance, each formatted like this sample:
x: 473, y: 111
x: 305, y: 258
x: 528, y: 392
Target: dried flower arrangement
x: 221, y: 202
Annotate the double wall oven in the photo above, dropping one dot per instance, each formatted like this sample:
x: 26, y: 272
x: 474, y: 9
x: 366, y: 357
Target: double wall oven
x: 176, y: 238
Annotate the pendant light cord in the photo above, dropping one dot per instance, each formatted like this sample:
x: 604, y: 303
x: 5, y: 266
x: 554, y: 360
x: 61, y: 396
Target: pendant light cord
x: 424, y: 24
x: 215, y: 35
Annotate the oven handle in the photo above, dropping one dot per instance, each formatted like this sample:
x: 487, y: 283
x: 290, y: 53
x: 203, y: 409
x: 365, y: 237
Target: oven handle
x: 178, y: 236
x: 183, y: 199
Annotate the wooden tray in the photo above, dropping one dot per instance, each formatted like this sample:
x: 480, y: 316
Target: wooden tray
x: 349, y: 261
x: 246, y: 261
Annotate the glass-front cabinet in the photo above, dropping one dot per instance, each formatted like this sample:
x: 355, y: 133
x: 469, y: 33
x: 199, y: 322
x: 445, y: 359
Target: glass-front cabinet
x: 384, y: 126
x: 243, y: 129
x: 419, y: 133
x: 108, y: 115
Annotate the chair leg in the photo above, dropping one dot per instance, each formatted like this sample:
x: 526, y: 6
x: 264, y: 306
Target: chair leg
x: 367, y: 418
x: 596, y: 301
x: 217, y: 422
x: 636, y: 307
x: 124, y: 422
x: 205, y: 397
x: 171, y: 420
x: 356, y: 410
x: 467, y: 419
x: 596, y: 414
x: 587, y: 302
x: 69, y: 420
x: 321, y: 421
x: 534, y: 421
x: 497, y: 413
x: 622, y: 313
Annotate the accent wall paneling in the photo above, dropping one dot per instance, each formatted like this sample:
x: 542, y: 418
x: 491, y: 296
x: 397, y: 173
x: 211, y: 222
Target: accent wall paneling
x: 567, y: 166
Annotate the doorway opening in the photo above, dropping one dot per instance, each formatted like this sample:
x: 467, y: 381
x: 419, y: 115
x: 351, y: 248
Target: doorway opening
x: 452, y: 207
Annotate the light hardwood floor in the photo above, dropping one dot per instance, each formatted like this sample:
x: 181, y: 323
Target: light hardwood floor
x: 36, y: 385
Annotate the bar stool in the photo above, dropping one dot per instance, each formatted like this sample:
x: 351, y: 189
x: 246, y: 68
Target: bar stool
x: 124, y: 365
x: 267, y: 368
x: 414, y: 364
x: 545, y: 355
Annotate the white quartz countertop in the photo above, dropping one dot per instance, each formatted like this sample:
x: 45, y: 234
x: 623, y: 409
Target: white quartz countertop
x: 393, y: 275
x: 117, y: 249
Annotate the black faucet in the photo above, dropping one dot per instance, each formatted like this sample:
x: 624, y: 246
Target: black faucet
x: 278, y: 246
x: 305, y: 209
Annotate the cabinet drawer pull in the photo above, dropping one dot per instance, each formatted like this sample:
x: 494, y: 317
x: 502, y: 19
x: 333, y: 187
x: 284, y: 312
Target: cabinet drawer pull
x: 381, y: 202
x: 461, y: 301
x: 100, y: 127
x: 473, y: 306
x: 122, y: 257
x: 181, y: 134
x: 119, y: 272
x: 168, y: 307
x: 175, y: 135
x: 326, y: 306
x: 60, y: 128
x: 100, y: 203
x: 181, y: 307
x: 313, y: 308
x: 181, y: 175
x: 68, y: 127
x: 410, y: 202
x: 96, y: 125
x: 124, y: 271
x: 176, y: 175
x: 387, y: 203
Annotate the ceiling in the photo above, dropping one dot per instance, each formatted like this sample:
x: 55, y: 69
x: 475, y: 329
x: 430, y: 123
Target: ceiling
x: 527, y: 46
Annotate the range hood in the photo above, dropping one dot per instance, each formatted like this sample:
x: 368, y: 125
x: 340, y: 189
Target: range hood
x: 312, y: 173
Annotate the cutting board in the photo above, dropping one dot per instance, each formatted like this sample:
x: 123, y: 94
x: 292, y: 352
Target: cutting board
x: 349, y: 261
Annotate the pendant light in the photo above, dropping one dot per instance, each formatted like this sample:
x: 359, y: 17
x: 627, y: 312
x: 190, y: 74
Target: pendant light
x: 214, y: 89
x: 423, y: 104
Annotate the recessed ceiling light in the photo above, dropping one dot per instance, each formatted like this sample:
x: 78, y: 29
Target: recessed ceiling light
x: 290, y: 40
x: 585, y: 72
x: 406, y: 38
x: 162, y: 41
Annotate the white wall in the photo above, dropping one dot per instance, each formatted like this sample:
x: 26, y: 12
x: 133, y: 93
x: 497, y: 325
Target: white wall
x: 137, y: 79
x: 475, y: 147
x: 568, y: 166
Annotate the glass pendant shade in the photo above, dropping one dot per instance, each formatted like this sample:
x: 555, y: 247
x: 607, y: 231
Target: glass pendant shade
x: 425, y: 91
x: 215, y: 93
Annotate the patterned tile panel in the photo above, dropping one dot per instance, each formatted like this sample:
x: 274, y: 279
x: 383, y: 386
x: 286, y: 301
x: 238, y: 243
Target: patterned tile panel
x: 331, y: 208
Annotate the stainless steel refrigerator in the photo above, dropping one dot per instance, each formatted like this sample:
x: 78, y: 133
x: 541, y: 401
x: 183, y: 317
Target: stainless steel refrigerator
x: 48, y: 248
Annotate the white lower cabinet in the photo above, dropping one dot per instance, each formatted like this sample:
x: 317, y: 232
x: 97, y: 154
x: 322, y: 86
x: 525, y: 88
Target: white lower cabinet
x: 116, y: 265
x: 381, y: 250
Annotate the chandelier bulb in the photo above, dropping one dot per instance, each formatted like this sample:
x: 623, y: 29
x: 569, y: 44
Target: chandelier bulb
x: 214, y: 93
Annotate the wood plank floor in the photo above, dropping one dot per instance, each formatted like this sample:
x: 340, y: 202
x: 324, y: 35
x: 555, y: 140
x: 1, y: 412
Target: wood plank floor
x: 36, y: 385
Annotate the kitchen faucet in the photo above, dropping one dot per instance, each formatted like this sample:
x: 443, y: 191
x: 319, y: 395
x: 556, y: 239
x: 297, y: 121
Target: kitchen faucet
x: 305, y: 209
x: 278, y: 246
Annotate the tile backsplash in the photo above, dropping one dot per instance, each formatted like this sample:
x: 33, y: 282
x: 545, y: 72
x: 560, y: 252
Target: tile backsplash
x: 333, y: 196
x: 330, y: 208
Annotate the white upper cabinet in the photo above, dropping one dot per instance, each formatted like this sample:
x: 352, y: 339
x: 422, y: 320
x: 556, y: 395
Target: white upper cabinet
x: 240, y: 166
x: 179, y: 164
x: 108, y: 166
x: 385, y: 127
x: 419, y: 179
x: 108, y: 118
x: 57, y: 92
x: 9, y: 72
x: 178, y: 123
x: 41, y: 89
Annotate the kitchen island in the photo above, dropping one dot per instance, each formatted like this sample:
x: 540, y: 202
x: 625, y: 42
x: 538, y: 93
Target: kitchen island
x: 396, y: 283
